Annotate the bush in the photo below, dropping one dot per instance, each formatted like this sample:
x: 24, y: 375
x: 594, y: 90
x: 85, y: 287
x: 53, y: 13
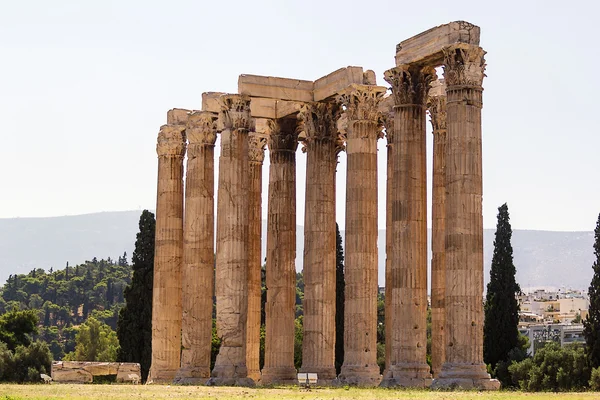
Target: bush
x: 26, y: 363
x: 552, y: 369
x: 595, y: 379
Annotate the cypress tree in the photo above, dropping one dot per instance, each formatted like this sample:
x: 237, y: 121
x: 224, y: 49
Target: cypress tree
x: 500, y: 330
x: 591, y: 325
x: 340, y: 288
x: 134, y: 327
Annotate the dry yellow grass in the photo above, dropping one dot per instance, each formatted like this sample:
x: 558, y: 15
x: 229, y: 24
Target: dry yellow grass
x: 157, y: 392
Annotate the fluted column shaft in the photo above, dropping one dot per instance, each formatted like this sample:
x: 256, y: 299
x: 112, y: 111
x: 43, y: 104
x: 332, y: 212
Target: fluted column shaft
x: 198, y: 249
x: 388, y: 120
x: 437, y: 110
x: 232, y: 243
x: 407, y: 288
x: 463, y: 73
x: 256, y: 157
x: 322, y: 146
x: 281, y: 255
x: 360, y: 331
x: 166, y: 291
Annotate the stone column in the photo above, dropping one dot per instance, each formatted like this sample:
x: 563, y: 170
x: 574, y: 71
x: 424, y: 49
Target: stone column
x: 360, y: 330
x: 281, y: 255
x: 322, y: 145
x: 232, y: 243
x: 166, y: 290
x: 437, y: 110
x: 407, y: 288
x: 198, y: 250
x: 256, y: 144
x: 464, y: 67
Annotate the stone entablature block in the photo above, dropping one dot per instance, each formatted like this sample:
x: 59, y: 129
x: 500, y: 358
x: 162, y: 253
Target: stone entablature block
x: 84, y: 371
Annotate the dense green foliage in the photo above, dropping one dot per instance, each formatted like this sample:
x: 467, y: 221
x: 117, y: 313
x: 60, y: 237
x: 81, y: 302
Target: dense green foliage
x: 134, y: 328
x: 17, y: 326
x: 553, y: 368
x: 591, y: 325
x: 500, y: 332
x: 64, y: 299
x: 95, y: 341
x: 340, y: 296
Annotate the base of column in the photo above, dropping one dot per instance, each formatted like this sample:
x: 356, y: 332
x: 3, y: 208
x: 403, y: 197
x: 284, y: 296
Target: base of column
x: 465, y: 376
x: 279, y: 376
x: 407, y: 375
x: 230, y: 375
x: 246, y: 382
x: 192, y: 376
x: 254, y: 375
x: 367, y: 376
x: 163, y: 376
x: 325, y: 375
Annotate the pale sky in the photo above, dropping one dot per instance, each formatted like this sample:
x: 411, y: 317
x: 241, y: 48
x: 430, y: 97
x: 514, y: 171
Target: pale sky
x: 85, y: 86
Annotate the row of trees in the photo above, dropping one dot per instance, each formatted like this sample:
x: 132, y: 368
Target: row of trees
x: 553, y: 367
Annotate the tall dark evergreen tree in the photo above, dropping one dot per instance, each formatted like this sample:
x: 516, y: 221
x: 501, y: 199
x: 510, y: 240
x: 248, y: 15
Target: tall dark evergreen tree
x: 591, y: 325
x: 340, y: 288
x: 134, y: 328
x: 500, y: 330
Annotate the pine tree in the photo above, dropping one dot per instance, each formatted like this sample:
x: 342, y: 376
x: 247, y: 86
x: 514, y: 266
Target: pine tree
x: 500, y: 330
x: 591, y: 325
x: 134, y: 327
x: 340, y: 288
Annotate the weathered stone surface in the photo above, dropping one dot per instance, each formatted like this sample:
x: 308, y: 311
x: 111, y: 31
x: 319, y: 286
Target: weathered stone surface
x: 437, y: 109
x: 256, y: 148
x: 426, y: 47
x: 281, y: 255
x: 275, y: 88
x: 330, y: 85
x: 84, y: 371
x: 463, y: 73
x: 166, y: 294
x: 322, y: 145
x: 360, y: 330
x: 198, y: 249
x: 177, y: 116
x: 406, y: 288
x: 232, y: 243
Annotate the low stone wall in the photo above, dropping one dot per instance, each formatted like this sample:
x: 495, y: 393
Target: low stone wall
x: 84, y: 371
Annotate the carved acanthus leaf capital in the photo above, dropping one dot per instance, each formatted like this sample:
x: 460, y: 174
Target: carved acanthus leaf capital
x: 464, y: 65
x: 201, y: 128
x: 283, y: 135
x: 256, y: 148
x: 235, y: 111
x: 171, y: 141
x: 361, y: 102
x: 387, y: 120
x: 437, y: 109
x: 410, y: 83
x: 319, y: 122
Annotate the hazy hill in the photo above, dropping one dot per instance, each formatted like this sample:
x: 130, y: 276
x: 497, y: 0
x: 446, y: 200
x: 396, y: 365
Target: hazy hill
x: 542, y: 258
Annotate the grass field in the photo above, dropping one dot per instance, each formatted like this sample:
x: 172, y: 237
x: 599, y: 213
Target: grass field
x: 157, y: 392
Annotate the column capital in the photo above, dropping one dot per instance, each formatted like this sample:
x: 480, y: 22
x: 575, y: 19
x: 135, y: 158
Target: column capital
x: 464, y: 65
x: 283, y: 136
x: 319, y: 122
x: 171, y: 141
x: 410, y: 83
x: 235, y: 111
x: 362, y: 101
x: 387, y: 120
x: 437, y: 109
x: 256, y: 148
x: 201, y: 128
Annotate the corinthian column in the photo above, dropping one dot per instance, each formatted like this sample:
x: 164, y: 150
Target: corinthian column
x: 166, y: 290
x: 437, y: 109
x: 322, y: 145
x: 198, y: 249
x: 281, y: 255
x: 360, y: 330
x: 256, y: 146
x: 407, y: 288
x: 232, y: 243
x: 464, y: 67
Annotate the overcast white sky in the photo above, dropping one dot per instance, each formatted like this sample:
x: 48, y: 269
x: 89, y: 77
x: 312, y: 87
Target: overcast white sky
x: 85, y: 86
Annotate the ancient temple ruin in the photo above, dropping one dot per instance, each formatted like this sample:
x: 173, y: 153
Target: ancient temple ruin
x: 343, y: 111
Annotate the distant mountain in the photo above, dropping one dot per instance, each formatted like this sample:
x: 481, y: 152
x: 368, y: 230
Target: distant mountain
x: 542, y: 258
